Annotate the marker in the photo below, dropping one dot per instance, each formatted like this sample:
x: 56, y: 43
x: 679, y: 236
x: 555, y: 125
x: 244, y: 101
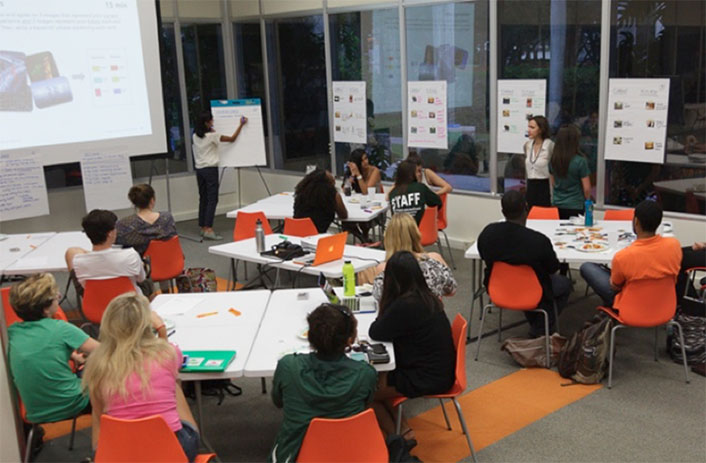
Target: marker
x: 33, y: 246
x: 234, y: 312
x: 171, y: 333
x: 368, y: 211
x: 206, y: 314
x: 282, y: 237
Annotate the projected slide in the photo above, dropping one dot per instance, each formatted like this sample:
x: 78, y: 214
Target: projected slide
x: 71, y: 71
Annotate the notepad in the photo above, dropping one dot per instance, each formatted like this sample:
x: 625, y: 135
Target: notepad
x: 206, y: 360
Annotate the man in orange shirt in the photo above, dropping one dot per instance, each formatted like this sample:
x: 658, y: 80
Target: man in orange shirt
x: 650, y: 257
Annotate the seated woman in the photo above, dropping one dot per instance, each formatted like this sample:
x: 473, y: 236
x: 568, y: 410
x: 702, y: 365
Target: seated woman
x: 39, y: 351
x: 413, y: 318
x: 139, y: 229
x: 325, y: 383
x: 402, y: 234
x: 410, y: 196
x: 133, y: 374
x: 363, y: 178
x: 428, y: 176
x: 315, y: 197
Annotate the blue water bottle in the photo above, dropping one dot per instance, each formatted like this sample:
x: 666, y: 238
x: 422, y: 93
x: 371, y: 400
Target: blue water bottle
x: 588, y: 213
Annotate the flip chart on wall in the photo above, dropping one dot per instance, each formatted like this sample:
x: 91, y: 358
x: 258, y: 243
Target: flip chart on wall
x: 107, y: 178
x: 249, y: 149
x: 426, y: 103
x: 518, y: 101
x: 349, y: 118
x: 636, y: 127
x: 23, y: 191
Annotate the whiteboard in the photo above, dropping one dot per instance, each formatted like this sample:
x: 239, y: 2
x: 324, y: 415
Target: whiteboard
x: 249, y: 148
x: 518, y: 101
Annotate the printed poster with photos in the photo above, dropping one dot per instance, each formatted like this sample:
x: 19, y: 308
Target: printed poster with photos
x: 636, y: 128
x: 349, y: 118
x: 427, y: 114
x: 518, y: 101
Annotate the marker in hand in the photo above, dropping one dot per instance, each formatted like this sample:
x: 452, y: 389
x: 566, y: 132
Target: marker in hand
x: 243, y: 120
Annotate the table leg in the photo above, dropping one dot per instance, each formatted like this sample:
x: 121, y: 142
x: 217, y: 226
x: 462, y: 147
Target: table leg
x: 199, y: 412
x: 264, y: 385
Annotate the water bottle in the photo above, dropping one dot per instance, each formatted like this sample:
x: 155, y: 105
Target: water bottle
x: 348, y: 279
x: 347, y: 187
x: 259, y: 237
x: 588, y: 213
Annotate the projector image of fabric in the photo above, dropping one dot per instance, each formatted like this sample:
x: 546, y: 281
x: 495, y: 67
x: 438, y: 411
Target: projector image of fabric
x: 47, y: 87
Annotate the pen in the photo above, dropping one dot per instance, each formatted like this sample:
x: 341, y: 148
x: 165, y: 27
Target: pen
x: 171, y: 333
x: 206, y: 314
x: 234, y: 312
x: 282, y: 237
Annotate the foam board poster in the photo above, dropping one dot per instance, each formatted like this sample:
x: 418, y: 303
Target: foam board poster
x: 349, y: 112
x: 426, y: 103
x: 107, y: 178
x: 518, y: 101
x: 636, y: 129
x: 249, y: 148
x: 23, y: 190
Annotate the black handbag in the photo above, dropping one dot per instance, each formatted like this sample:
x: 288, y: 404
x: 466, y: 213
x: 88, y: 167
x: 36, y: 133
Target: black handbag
x: 286, y: 250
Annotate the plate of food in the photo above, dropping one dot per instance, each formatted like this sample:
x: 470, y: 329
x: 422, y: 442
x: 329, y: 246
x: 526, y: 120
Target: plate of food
x: 354, y: 201
x: 595, y: 229
x: 561, y: 244
x: 593, y: 246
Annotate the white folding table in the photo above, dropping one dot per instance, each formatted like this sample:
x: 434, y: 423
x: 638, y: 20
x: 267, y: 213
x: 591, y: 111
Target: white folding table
x: 49, y: 255
x: 14, y: 247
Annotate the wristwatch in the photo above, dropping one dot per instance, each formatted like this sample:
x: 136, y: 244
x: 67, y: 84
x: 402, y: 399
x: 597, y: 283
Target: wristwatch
x: 359, y: 177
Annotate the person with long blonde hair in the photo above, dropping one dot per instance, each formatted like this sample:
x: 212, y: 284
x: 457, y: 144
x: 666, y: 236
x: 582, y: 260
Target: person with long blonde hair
x: 402, y: 234
x: 133, y: 374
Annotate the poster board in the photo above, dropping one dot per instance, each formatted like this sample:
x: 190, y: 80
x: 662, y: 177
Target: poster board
x: 636, y: 126
x: 249, y: 148
x: 23, y: 190
x: 518, y: 101
x: 349, y: 112
x: 107, y: 178
x: 427, y: 118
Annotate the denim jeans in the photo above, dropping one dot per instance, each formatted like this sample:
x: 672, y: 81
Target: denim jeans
x: 189, y: 439
x: 598, y: 279
x: 207, y: 180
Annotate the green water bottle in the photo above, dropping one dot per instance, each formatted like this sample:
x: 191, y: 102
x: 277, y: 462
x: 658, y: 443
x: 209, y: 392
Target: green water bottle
x: 348, y: 279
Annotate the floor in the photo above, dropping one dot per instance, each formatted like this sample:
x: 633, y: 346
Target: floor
x: 650, y: 414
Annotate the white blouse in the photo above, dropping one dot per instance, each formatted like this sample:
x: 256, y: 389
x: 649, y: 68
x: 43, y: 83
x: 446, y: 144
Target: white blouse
x: 538, y: 166
x: 206, y: 150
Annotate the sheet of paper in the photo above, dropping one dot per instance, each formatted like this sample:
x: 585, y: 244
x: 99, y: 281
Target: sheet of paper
x: 107, y: 178
x: 349, y: 112
x: 426, y: 103
x: 178, y: 306
x: 249, y: 148
x: 23, y: 191
x: 518, y: 101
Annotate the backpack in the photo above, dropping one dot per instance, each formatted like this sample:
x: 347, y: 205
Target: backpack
x: 398, y: 449
x: 531, y: 353
x: 584, y: 357
x: 197, y: 280
x: 694, y: 328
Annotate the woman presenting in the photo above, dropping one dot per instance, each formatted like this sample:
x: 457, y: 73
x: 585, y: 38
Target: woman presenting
x: 206, y: 143
x: 538, y: 152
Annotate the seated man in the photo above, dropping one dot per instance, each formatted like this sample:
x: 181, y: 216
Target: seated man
x: 651, y: 256
x: 103, y: 261
x: 512, y: 242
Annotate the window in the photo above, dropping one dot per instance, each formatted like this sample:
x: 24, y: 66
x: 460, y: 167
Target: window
x: 298, y: 92
x: 365, y: 46
x: 450, y: 42
x: 664, y: 39
x: 248, y: 64
x: 557, y: 40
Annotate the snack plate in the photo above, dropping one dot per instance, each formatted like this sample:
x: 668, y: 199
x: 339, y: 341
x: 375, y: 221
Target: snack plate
x: 593, y: 247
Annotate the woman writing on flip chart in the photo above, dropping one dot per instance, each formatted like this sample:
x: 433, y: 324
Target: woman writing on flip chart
x: 205, y: 142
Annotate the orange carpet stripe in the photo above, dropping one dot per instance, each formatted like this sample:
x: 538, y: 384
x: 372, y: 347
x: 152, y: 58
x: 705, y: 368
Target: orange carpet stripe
x: 493, y: 412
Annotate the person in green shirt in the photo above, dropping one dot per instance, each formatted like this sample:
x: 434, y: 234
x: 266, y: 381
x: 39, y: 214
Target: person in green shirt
x: 569, y: 173
x: 39, y: 351
x: 324, y: 384
x: 410, y: 196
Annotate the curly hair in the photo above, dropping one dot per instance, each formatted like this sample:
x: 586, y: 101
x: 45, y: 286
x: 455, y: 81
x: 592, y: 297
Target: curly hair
x: 29, y: 298
x: 330, y: 328
x: 315, y: 190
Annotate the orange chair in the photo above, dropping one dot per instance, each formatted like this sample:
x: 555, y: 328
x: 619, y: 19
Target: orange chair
x: 330, y: 440
x: 299, y: 227
x: 442, y: 223
x: 428, y: 226
x: 543, y: 213
x: 619, y: 214
x: 146, y: 440
x: 12, y: 317
x: 515, y: 287
x: 166, y: 259
x: 245, y: 225
x: 645, y: 304
x: 97, y: 294
x: 34, y: 428
x: 458, y: 332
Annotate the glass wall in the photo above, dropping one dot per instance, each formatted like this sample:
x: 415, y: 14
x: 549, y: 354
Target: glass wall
x: 365, y: 46
x: 668, y: 40
x: 298, y: 106
x: 556, y: 40
x: 450, y: 42
x: 249, y: 65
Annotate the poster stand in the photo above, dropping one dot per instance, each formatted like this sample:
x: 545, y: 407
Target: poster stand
x: 237, y: 170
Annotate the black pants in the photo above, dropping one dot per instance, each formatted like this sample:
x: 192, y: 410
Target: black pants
x: 207, y: 179
x: 538, y: 192
x: 565, y: 214
x: 561, y: 289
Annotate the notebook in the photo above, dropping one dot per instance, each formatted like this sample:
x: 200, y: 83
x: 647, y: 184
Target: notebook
x: 206, y: 360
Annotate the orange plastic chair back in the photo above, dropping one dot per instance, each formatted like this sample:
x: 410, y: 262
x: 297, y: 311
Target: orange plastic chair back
x: 458, y: 331
x: 144, y: 440
x: 245, y: 225
x: 12, y: 317
x: 543, y: 213
x: 332, y: 440
x: 441, y: 221
x: 619, y: 214
x: 166, y: 258
x: 97, y: 294
x: 647, y: 303
x: 514, y: 287
x: 299, y: 227
x: 428, y: 226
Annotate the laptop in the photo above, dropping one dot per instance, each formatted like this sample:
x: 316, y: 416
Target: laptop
x: 328, y: 249
x: 206, y: 360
